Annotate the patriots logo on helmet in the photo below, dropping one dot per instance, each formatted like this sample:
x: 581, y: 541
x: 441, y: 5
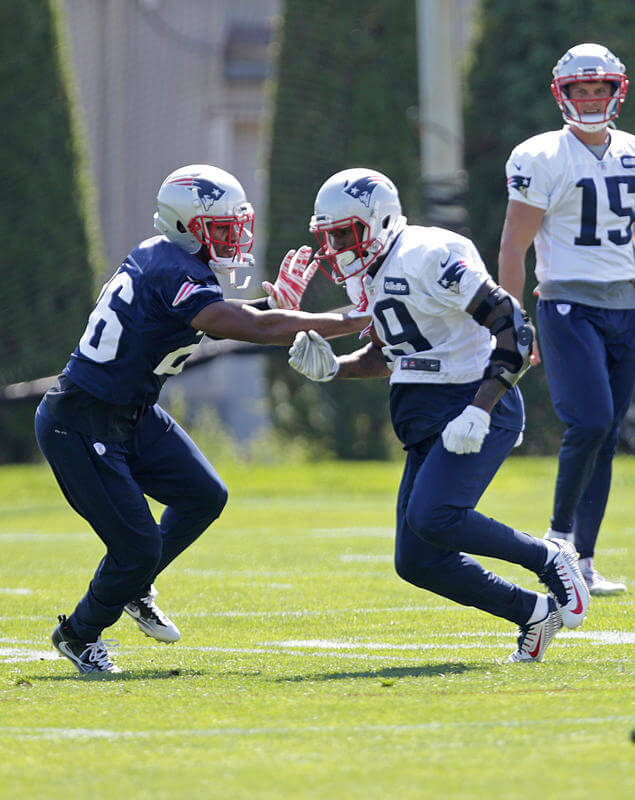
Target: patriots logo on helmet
x: 206, y: 191
x: 520, y: 183
x: 452, y: 275
x: 363, y: 188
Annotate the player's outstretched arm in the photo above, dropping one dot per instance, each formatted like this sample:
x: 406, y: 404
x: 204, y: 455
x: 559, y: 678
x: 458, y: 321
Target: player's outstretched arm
x: 367, y: 362
x: 311, y: 355
x: 234, y: 319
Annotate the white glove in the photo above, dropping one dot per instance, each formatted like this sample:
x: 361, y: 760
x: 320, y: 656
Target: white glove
x: 311, y: 356
x: 465, y: 433
x: 292, y: 280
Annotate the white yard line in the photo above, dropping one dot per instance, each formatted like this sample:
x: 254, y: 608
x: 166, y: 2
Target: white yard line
x: 16, y: 655
x: 327, y: 644
x: 20, y: 650
x: 601, y: 637
x: 265, y: 574
x: 352, y: 557
x: 314, y: 612
x: 40, y: 535
x: 569, y: 723
x: 337, y: 533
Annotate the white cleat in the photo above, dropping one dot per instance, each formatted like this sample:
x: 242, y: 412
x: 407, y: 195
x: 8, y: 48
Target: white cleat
x: 150, y: 619
x: 535, y: 638
x: 596, y: 583
x: 564, y: 580
x: 551, y: 534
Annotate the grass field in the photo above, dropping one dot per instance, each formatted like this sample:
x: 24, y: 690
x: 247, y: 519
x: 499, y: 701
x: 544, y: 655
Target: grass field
x: 306, y: 668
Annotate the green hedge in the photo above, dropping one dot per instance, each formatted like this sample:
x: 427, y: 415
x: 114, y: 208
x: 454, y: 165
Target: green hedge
x: 47, y: 223
x: 345, y: 93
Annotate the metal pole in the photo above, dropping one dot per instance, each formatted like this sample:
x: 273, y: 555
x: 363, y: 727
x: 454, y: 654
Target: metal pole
x: 440, y: 121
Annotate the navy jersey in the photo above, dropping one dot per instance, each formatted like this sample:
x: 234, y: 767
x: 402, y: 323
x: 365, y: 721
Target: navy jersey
x: 138, y: 333
x: 421, y: 410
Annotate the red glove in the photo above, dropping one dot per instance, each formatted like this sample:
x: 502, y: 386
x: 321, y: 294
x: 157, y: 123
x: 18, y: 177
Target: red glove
x: 292, y: 280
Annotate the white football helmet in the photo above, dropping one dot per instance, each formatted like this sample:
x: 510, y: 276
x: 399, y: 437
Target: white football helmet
x: 365, y: 200
x: 589, y: 62
x: 200, y: 205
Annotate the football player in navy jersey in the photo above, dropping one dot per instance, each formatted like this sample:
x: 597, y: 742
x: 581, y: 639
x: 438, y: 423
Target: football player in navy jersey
x: 100, y: 428
x: 572, y: 193
x: 454, y: 401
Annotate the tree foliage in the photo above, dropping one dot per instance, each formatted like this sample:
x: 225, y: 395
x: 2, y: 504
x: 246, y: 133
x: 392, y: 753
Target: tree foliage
x: 50, y: 249
x: 345, y: 96
x: 508, y: 100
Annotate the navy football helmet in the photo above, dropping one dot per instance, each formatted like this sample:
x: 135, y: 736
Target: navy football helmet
x: 366, y: 201
x: 200, y: 205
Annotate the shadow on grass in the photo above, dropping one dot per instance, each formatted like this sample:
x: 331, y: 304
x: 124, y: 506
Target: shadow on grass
x: 390, y: 673
x: 125, y: 675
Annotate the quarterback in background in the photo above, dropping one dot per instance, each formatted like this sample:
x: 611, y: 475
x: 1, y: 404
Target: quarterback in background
x: 454, y: 401
x: 572, y: 193
x: 100, y: 428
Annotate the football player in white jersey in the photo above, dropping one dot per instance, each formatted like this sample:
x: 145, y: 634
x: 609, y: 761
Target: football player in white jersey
x: 572, y: 193
x: 453, y: 399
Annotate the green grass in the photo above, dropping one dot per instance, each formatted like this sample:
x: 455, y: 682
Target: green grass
x: 307, y: 669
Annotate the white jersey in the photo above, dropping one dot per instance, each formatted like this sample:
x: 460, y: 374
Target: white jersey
x: 418, y: 299
x: 589, y: 204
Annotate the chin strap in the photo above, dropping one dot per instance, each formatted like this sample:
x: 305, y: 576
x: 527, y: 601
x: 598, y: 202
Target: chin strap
x: 228, y: 267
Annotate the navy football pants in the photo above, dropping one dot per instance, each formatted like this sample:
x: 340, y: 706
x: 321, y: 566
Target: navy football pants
x: 589, y: 358
x: 106, y: 483
x: 437, y: 526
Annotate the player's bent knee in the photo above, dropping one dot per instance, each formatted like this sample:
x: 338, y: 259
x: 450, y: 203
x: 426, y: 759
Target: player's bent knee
x: 411, y: 570
x: 592, y: 433
x: 212, y: 505
x: 434, y: 523
x: 220, y: 500
x: 206, y: 506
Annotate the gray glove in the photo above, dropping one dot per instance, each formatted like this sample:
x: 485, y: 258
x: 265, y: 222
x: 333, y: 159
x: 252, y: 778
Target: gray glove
x: 311, y: 355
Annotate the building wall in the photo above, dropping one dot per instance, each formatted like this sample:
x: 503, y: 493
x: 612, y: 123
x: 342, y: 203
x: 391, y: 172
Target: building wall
x: 163, y: 84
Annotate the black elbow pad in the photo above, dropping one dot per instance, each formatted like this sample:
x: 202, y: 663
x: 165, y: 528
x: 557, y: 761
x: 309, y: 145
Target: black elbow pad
x: 510, y: 359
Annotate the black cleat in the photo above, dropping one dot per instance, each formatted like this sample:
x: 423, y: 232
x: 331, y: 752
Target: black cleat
x: 86, y: 656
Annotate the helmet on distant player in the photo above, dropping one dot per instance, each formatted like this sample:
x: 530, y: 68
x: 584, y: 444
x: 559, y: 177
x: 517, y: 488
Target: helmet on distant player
x: 365, y: 200
x: 200, y: 205
x: 589, y: 62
